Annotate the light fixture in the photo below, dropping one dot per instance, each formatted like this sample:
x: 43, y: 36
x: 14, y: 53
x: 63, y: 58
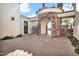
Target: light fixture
x: 12, y: 18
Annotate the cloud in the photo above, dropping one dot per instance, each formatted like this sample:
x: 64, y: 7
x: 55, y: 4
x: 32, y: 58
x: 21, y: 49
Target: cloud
x: 68, y: 6
x: 33, y: 15
x: 67, y: 9
x: 24, y: 8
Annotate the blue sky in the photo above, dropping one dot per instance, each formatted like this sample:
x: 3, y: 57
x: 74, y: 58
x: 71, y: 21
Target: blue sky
x: 29, y: 9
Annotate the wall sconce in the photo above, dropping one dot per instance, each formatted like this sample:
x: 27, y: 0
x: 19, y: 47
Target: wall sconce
x: 12, y: 18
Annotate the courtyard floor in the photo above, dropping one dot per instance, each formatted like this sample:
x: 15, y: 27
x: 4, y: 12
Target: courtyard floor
x: 42, y: 45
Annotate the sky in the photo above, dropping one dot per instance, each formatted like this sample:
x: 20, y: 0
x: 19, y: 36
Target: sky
x: 29, y: 9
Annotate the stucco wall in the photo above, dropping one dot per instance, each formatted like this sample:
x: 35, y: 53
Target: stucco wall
x: 31, y: 23
x: 23, y: 18
x: 7, y: 26
x: 76, y: 28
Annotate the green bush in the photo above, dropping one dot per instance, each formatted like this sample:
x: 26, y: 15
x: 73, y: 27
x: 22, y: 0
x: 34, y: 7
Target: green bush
x: 0, y: 38
x: 77, y: 49
x: 7, y: 37
x: 75, y: 41
x: 78, y: 42
x: 20, y: 35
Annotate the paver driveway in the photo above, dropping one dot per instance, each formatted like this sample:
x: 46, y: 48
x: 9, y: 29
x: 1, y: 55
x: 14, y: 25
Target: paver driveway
x: 42, y: 45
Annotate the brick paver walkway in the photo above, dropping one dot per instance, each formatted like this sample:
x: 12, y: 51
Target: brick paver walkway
x: 39, y: 45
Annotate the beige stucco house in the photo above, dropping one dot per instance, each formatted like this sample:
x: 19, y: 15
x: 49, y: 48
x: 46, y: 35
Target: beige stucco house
x: 12, y: 23
x: 9, y: 19
x: 29, y: 23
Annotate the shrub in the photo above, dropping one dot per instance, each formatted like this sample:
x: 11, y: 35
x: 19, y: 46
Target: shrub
x: 77, y: 49
x: 78, y: 42
x: 20, y: 35
x: 0, y: 38
x: 7, y: 37
x: 75, y: 41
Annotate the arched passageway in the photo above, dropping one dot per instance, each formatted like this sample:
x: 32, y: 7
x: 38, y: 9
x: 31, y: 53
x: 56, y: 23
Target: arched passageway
x: 55, y: 24
x: 49, y: 27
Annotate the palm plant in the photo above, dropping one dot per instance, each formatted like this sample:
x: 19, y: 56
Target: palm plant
x: 66, y: 22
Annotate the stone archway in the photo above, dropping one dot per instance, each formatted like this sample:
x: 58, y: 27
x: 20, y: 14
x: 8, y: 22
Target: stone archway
x: 56, y: 25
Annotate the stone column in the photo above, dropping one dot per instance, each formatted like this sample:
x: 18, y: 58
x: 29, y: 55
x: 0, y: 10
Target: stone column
x: 43, y: 23
x: 39, y: 25
x: 56, y: 26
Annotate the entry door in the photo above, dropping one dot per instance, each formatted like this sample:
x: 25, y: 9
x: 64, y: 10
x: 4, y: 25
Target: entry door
x: 25, y: 27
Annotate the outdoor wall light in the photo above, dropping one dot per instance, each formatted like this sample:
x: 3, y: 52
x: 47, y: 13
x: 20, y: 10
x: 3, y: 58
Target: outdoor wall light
x: 12, y: 18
